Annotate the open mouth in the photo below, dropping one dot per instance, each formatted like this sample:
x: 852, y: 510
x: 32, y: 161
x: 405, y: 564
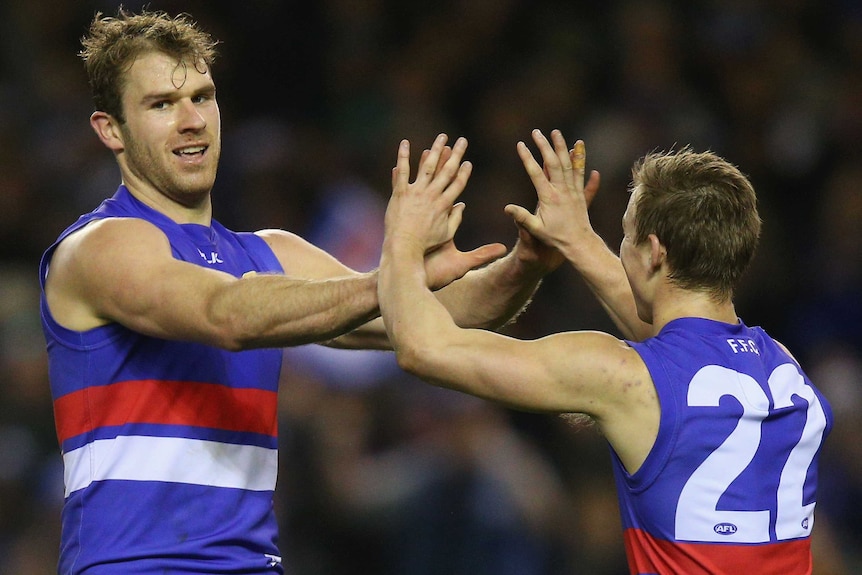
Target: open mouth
x: 190, y: 151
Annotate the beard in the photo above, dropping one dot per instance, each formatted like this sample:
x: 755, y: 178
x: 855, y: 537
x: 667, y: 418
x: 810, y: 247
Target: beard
x: 162, y: 171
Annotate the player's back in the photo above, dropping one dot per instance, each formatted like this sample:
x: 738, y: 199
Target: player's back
x: 730, y: 484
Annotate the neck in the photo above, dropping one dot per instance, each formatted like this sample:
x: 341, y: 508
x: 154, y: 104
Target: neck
x: 191, y: 209
x: 675, y: 303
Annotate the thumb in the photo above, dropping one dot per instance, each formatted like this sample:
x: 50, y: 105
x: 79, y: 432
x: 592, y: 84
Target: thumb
x: 523, y: 218
x: 486, y: 254
x: 592, y: 187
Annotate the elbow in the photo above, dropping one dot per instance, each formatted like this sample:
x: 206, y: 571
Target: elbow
x: 408, y: 359
x: 417, y: 358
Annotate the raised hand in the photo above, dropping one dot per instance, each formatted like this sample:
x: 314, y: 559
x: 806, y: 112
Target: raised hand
x: 423, y: 216
x: 560, y: 219
x: 424, y: 212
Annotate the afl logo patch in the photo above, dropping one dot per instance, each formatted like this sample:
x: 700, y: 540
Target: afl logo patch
x: 724, y: 528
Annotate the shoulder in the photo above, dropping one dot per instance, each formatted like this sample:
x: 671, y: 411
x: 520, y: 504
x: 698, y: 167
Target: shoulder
x: 281, y: 239
x: 103, y: 238
x: 105, y: 254
x: 300, y: 258
x: 616, y: 389
x: 601, y: 343
x: 608, y: 368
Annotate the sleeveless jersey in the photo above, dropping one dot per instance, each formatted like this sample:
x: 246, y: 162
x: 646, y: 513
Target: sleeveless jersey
x: 729, y: 486
x: 169, y: 447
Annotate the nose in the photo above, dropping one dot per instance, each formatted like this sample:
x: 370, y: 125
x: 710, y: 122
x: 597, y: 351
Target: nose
x: 190, y: 118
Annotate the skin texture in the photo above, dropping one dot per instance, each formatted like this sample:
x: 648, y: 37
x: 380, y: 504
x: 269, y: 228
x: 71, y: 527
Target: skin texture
x: 121, y: 269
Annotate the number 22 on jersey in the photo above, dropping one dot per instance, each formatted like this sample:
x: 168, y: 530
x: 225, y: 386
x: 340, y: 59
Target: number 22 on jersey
x: 698, y: 517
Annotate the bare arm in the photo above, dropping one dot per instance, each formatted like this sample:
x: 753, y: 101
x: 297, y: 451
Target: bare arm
x: 122, y: 270
x: 487, y: 297
x: 560, y: 373
x: 561, y: 220
x: 494, y: 295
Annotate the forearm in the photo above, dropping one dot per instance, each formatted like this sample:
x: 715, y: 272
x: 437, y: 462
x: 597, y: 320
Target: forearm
x: 603, y: 273
x: 412, y: 314
x: 491, y: 296
x: 371, y: 335
x: 276, y: 311
x: 484, y: 298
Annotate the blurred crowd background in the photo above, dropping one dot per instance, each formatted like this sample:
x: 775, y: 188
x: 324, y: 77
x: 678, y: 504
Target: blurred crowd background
x: 381, y: 474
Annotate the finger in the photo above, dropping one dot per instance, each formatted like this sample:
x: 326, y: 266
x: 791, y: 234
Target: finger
x: 444, y: 157
x: 592, y: 187
x: 535, y: 172
x: 550, y: 160
x: 579, y: 157
x: 452, y: 166
x: 428, y: 165
x: 486, y: 254
x: 569, y: 178
x: 456, y: 215
x: 457, y: 185
x: 401, y: 174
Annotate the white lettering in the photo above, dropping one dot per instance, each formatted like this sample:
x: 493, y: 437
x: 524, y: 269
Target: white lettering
x: 212, y: 259
x: 743, y: 346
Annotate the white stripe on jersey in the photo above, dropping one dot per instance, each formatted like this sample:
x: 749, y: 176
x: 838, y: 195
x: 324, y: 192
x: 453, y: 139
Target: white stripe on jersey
x: 172, y: 459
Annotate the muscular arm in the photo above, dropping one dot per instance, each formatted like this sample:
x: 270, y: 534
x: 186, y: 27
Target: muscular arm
x: 586, y: 372
x: 491, y: 296
x: 603, y: 273
x: 122, y: 270
x: 562, y: 373
x: 486, y: 297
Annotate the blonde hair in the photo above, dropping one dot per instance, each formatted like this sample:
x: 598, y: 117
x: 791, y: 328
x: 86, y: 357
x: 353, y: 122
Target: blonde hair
x: 704, y: 211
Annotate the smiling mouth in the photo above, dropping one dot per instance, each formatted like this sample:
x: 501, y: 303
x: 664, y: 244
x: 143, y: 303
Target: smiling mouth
x: 190, y: 151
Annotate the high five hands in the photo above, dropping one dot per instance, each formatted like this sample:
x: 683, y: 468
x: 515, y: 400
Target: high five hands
x: 425, y: 216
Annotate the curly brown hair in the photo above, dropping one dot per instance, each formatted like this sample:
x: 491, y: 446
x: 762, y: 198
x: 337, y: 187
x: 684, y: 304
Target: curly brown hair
x: 704, y: 211
x: 113, y: 43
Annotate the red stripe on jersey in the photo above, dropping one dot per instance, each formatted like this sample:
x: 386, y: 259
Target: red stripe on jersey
x: 168, y: 403
x: 648, y: 555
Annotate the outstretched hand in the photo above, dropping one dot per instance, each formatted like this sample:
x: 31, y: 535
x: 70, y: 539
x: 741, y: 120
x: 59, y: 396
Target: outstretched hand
x: 423, y: 215
x: 561, y: 218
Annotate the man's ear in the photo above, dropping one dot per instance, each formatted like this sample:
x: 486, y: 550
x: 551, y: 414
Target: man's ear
x: 658, y: 253
x: 107, y: 127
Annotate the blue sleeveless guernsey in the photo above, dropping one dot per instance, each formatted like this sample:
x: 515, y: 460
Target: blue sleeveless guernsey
x: 729, y: 486
x: 169, y: 447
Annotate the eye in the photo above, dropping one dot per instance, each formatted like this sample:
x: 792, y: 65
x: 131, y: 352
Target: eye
x: 160, y: 104
x: 203, y: 97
